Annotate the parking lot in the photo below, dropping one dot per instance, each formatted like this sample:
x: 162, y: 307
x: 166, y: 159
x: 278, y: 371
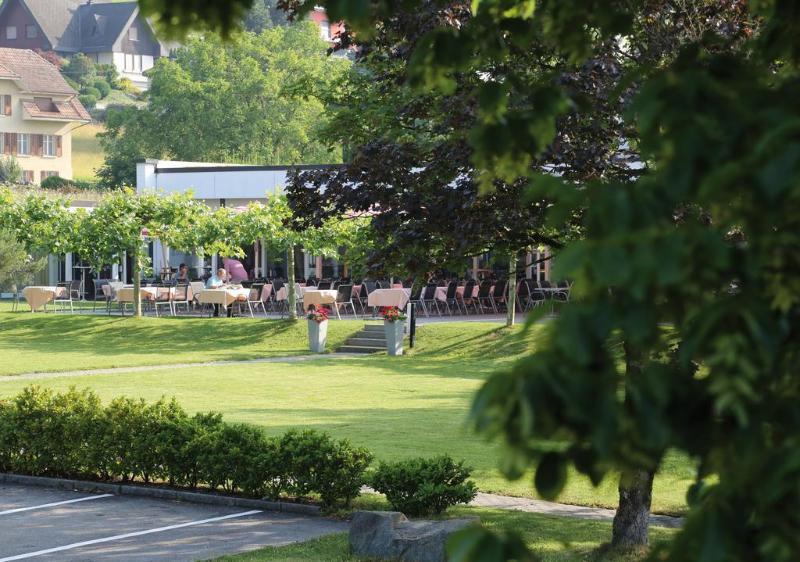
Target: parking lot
x: 46, y: 524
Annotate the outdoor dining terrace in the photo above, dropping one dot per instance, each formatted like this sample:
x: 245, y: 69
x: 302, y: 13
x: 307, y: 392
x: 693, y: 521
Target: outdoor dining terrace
x: 270, y: 297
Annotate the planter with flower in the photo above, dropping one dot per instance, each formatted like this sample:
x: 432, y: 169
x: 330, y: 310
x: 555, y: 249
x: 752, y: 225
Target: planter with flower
x: 317, y: 329
x: 393, y: 325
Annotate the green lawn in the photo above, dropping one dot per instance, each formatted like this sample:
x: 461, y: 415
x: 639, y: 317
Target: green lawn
x: 87, y: 154
x: 402, y: 407
x: 552, y: 538
x: 48, y: 342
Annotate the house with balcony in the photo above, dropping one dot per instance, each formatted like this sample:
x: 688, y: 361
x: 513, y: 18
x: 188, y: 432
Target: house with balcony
x: 107, y: 32
x: 38, y: 112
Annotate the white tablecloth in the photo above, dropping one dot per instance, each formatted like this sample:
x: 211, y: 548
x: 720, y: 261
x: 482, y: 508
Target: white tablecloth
x: 225, y: 297
x: 317, y: 297
x: 38, y: 297
x: 388, y: 297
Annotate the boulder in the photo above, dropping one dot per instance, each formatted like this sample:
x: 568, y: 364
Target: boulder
x: 390, y: 535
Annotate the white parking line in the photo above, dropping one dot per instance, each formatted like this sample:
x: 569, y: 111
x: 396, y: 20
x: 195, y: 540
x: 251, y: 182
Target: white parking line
x: 54, y: 504
x: 126, y: 536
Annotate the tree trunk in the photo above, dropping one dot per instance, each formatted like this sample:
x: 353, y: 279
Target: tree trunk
x: 511, y: 301
x: 632, y: 519
x: 137, y: 283
x: 291, y: 295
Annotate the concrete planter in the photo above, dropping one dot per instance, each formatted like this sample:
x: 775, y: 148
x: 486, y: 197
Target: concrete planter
x: 394, y: 336
x: 317, y: 335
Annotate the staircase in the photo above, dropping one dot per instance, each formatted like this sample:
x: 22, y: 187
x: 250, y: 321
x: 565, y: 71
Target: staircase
x: 371, y: 339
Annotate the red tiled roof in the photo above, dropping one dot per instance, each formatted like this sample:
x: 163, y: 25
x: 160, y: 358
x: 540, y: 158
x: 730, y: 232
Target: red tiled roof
x: 71, y: 110
x: 36, y: 74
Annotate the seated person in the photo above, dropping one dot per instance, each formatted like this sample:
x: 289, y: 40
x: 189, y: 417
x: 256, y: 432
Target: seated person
x: 218, y: 280
x: 237, y: 271
x: 182, y: 275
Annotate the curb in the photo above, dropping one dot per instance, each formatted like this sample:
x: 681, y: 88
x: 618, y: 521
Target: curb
x: 158, y: 493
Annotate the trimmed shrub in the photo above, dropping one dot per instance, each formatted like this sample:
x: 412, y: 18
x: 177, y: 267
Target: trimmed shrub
x: 73, y: 435
x: 89, y: 102
x: 333, y: 469
x: 102, y: 87
x: 419, y: 487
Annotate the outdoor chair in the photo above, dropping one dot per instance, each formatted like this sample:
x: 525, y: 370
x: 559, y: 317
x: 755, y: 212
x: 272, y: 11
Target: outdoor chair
x: 163, y: 298
x: 500, y: 294
x: 99, y: 293
x: 563, y: 293
x: 450, y: 298
x: 485, y: 296
x: 181, y: 296
x: 415, y: 297
x: 324, y: 285
x: 64, y: 296
x: 344, y: 298
x: 465, y: 298
x: 429, y: 297
x: 254, y: 299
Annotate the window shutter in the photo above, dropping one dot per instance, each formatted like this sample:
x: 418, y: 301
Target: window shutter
x: 58, y: 146
x: 7, y: 105
x: 42, y: 176
x: 6, y: 143
x: 36, y: 141
x: 11, y: 139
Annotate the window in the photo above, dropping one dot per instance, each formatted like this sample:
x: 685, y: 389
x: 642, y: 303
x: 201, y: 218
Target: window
x: 11, y: 32
x: 23, y: 144
x: 325, y: 30
x: 31, y: 32
x: 137, y: 63
x: 128, y: 62
x: 133, y: 33
x: 27, y: 176
x: 48, y: 145
x: 48, y: 174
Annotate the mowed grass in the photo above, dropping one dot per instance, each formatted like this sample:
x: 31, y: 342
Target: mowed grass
x: 553, y: 539
x: 87, y: 154
x: 415, y: 405
x: 64, y: 342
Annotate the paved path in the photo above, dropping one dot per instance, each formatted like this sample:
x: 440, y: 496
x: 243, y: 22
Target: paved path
x: 142, y: 368
x: 564, y: 510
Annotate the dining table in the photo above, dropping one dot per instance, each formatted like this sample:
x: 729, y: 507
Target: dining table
x: 37, y: 297
x: 318, y: 297
x: 388, y: 297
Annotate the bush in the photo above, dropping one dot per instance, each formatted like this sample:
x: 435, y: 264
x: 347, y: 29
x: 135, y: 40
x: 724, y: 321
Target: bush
x: 73, y: 435
x: 127, y: 86
x: 420, y: 486
x: 10, y: 170
x: 102, y: 87
x: 333, y: 469
x: 109, y: 73
x: 88, y: 101
x: 91, y: 91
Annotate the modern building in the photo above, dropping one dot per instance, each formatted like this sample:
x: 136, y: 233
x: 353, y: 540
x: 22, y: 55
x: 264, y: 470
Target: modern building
x: 108, y: 32
x: 38, y: 113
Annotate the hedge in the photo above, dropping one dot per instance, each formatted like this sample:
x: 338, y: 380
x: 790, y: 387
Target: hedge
x: 72, y: 435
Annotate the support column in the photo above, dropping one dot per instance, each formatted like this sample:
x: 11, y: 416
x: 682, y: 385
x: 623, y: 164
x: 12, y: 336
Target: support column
x: 529, y: 258
x: 124, y: 267
x: 547, y: 264
x: 263, y: 258
x: 68, y: 266
x: 214, y: 264
x: 475, y: 268
x: 318, y: 267
x: 115, y: 272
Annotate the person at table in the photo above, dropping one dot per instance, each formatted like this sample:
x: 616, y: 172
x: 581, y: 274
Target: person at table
x: 182, y: 275
x: 218, y: 281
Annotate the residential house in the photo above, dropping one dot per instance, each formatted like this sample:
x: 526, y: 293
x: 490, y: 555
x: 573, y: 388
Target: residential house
x: 108, y: 32
x: 38, y: 112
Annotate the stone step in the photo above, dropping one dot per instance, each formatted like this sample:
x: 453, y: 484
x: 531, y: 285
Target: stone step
x: 360, y: 349
x: 366, y: 342
x: 371, y: 334
x: 373, y: 328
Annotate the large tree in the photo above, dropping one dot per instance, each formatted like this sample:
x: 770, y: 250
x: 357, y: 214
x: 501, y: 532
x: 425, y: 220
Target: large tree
x: 706, y: 241
x: 241, y: 101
